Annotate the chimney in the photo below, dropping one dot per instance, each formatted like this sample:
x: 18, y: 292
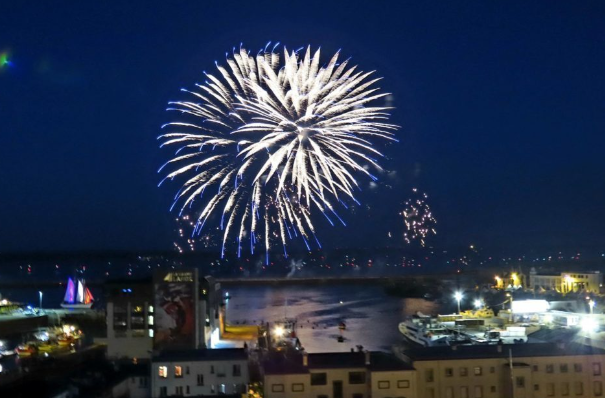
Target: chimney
x: 305, y: 357
x: 367, y: 356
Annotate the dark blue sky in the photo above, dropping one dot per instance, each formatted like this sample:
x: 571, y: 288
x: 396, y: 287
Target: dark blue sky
x: 502, y: 108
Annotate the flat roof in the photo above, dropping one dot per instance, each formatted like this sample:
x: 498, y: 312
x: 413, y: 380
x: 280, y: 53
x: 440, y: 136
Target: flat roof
x: 223, y: 354
x: 491, y: 351
x: 293, y: 364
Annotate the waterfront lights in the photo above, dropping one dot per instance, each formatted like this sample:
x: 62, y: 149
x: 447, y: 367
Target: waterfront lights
x: 458, y: 296
x: 478, y: 303
x: 591, y: 304
x: 589, y: 325
x: 278, y: 331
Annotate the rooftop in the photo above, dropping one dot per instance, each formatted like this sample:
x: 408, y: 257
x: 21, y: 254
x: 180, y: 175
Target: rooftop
x: 293, y: 364
x: 225, y: 354
x: 492, y: 351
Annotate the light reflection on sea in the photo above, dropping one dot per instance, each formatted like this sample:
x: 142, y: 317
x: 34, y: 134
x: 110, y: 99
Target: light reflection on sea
x: 371, y: 316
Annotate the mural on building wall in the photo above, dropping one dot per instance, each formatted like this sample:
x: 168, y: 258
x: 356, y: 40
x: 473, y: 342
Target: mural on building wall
x: 175, y: 311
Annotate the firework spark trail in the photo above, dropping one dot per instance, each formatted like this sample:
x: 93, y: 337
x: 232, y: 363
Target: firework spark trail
x: 278, y: 140
x: 418, y: 218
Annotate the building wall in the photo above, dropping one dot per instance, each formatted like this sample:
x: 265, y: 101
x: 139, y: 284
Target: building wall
x: 335, y: 375
x: 400, y: 384
x: 287, y: 386
x: 129, y: 343
x: 571, y: 376
x: 218, y: 377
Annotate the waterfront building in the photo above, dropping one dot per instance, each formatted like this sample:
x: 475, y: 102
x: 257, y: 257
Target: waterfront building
x: 203, y: 372
x: 174, y: 310
x: 566, y: 282
x: 338, y: 375
x: 510, y: 280
x: 499, y: 371
x: 130, y: 318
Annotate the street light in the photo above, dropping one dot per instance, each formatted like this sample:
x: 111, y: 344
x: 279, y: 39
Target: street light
x: 478, y: 303
x: 591, y: 304
x: 40, y: 293
x: 458, y: 296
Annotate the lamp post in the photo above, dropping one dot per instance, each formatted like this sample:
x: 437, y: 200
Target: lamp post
x: 458, y: 297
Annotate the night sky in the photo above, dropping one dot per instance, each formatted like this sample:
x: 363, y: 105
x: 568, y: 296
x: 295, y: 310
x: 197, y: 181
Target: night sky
x: 501, y: 107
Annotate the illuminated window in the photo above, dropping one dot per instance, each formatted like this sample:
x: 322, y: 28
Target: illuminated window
x: 478, y: 371
x: 150, y: 319
x: 150, y: 309
x: 150, y: 332
x: 178, y: 371
x: 163, y: 371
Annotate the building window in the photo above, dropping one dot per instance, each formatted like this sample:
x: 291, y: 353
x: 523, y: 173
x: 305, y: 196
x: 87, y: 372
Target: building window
x: 449, y: 392
x: 550, y: 368
x: 463, y: 371
x: 535, y: 368
x: 150, y: 320
x: 237, y: 370
x: 596, y: 369
x: 143, y: 382
x: 464, y: 392
x: 403, y: 384
x: 430, y: 393
x: 163, y: 371
x: 383, y: 385
x: 428, y: 375
x: 187, y: 370
x: 478, y: 371
x: 520, y: 381
x: 577, y: 367
x: 478, y: 392
x: 200, y: 380
x: 492, y: 389
x: 536, y: 387
x: 319, y: 379
x: 357, y: 377
x: 178, y: 390
x: 188, y: 391
x: 298, y: 387
x: 492, y: 369
x: 578, y: 388
x: 449, y: 372
x: 565, y: 389
x: 211, y: 369
x: 277, y: 388
x: 550, y: 389
x: 563, y: 368
x: 597, y: 388
x: 163, y: 391
x: 357, y: 395
x: 178, y: 371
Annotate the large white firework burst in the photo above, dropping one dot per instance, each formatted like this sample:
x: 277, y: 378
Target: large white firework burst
x: 268, y: 141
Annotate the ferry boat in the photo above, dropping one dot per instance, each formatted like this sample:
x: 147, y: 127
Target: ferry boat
x: 79, y: 298
x: 425, y: 330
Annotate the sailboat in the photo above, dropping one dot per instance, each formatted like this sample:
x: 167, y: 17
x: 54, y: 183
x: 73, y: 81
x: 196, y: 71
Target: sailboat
x: 79, y: 298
